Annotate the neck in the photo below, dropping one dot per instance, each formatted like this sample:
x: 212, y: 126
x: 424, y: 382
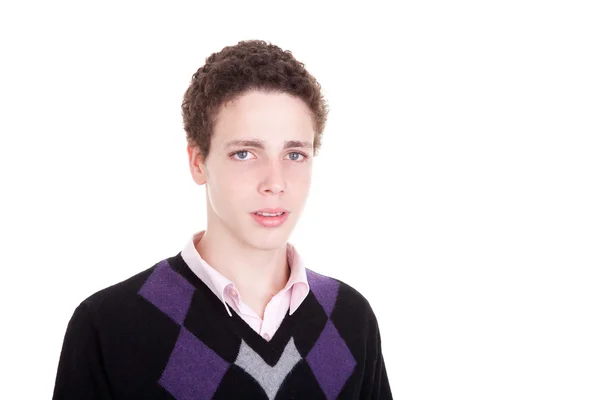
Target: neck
x: 257, y: 274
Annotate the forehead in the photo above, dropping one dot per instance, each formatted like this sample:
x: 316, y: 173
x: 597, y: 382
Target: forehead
x: 268, y: 116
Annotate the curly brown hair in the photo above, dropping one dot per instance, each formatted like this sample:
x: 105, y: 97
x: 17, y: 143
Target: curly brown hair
x: 235, y: 70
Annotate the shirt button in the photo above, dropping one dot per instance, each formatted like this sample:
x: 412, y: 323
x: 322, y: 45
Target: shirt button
x: 266, y: 336
x: 232, y: 292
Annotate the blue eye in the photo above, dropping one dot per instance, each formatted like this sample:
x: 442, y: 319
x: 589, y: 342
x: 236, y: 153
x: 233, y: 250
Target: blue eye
x: 296, y: 158
x: 302, y: 154
x: 243, y: 151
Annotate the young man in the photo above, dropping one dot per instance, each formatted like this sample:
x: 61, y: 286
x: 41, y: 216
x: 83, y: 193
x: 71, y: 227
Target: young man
x: 235, y: 314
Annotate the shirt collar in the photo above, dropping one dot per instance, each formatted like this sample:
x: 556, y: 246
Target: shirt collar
x: 217, y: 283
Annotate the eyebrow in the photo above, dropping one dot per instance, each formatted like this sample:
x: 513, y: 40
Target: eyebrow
x: 260, y: 144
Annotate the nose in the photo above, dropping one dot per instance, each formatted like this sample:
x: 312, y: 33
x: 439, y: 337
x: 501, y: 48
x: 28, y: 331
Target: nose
x: 274, y: 180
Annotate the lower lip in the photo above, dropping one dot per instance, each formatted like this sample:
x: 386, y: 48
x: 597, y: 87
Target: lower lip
x: 270, y: 222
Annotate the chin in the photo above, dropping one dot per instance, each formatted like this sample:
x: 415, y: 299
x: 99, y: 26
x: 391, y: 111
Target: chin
x: 269, y: 238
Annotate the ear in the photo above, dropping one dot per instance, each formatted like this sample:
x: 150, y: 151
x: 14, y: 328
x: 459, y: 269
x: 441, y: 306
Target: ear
x: 196, y: 164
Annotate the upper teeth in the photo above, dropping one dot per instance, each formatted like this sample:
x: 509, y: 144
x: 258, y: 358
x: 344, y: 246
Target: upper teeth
x: 269, y: 215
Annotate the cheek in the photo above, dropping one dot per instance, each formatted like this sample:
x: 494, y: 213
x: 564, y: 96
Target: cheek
x: 232, y: 176
x: 303, y: 179
x: 233, y: 189
x: 236, y: 191
x: 224, y: 189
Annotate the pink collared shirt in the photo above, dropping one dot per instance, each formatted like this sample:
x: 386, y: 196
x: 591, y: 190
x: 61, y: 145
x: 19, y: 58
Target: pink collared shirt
x: 289, y: 298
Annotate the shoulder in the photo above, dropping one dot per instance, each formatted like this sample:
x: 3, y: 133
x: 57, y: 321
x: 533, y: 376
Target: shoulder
x: 123, y: 297
x: 339, y: 299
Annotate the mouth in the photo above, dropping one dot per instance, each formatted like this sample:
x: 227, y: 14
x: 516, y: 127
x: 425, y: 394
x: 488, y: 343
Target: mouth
x: 271, y: 212
x: 270, y: 219
x: 265, y: 214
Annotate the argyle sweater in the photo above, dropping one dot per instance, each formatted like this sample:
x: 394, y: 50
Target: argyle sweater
x: 162, y: 334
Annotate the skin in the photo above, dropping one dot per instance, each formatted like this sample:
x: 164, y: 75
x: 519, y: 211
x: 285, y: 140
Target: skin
x: 251, y: 256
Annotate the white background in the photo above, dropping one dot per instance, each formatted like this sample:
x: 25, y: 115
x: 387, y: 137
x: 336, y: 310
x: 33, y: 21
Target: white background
x: 458, y: 187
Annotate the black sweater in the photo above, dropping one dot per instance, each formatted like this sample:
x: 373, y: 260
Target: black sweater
x: 162, y: 334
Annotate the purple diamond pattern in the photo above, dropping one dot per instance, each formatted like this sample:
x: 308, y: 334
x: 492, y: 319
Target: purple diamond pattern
x: 324, y: 288
x: 331, y: 361
x: 193, y: 371
x: 168, y: 291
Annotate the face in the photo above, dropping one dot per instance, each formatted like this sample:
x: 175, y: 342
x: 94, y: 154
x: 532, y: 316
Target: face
x: 273, y: 172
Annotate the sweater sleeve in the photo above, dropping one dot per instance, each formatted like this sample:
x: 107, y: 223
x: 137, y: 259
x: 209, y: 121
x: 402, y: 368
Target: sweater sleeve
x: 81, y: 373
x: 376, y: 385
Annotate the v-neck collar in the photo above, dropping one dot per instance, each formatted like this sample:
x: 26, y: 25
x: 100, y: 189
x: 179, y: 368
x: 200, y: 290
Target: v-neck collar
x: 270, y: 350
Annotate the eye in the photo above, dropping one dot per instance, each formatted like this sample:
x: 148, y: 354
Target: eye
x: 241, y: 156
x: 240, y: 152
x: 296, y: 158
